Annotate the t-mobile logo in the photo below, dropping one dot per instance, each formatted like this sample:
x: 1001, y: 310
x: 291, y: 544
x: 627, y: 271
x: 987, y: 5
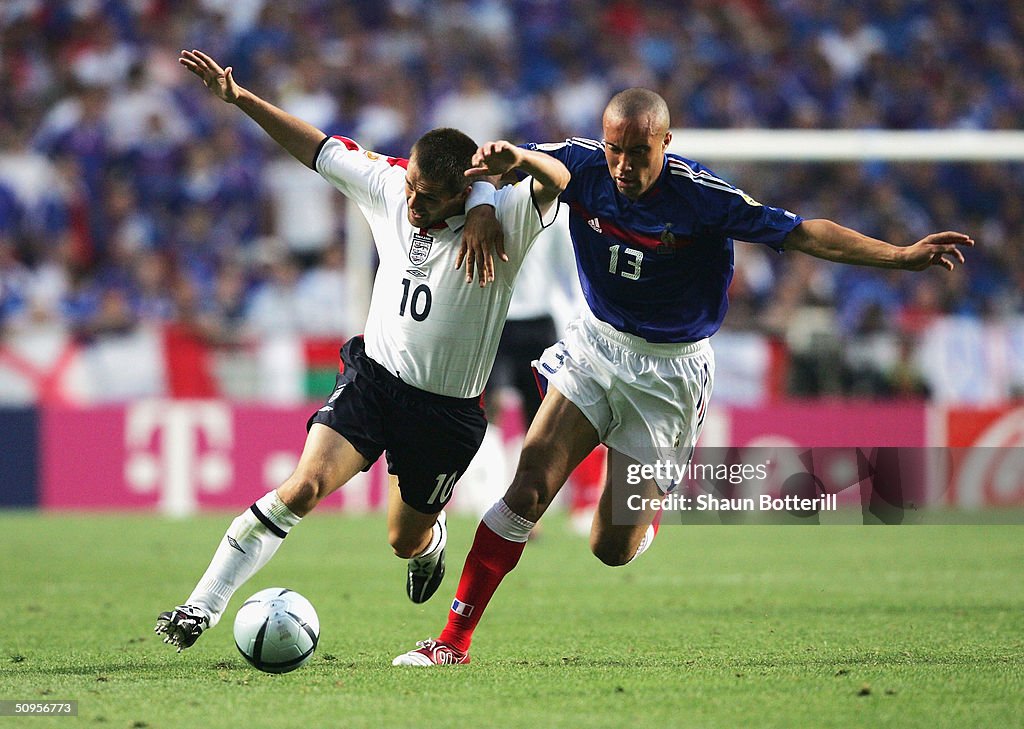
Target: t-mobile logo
x: 178, y: 449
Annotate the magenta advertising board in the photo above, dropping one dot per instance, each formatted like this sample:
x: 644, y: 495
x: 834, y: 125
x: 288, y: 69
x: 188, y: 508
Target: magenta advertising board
x: 825, y: 424
x: 177, y: 456
x: 840, y: 443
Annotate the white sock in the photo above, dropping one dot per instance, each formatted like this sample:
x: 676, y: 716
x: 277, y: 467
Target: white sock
x: 249, y: 543
x: 507, y: 524
x: 438, y: 539
x: 645, y: 543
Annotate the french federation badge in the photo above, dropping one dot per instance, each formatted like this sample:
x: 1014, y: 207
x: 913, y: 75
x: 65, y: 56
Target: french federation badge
x: 668, y: 241
x: 420, y: 248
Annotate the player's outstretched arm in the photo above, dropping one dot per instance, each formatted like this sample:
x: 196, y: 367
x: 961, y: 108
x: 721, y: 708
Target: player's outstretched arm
x: 828, y: 240
x: 482, y: 233
x: 550, y: 177
x: 299, y: 138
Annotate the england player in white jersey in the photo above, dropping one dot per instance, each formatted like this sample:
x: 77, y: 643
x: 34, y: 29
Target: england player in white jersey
x: 425, y: 325
x: 411, y: 389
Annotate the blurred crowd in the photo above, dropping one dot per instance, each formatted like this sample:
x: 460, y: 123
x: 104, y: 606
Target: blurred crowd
x: 128, y: 194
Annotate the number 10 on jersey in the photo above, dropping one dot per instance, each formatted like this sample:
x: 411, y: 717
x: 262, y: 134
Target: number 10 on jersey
x: 418, y: 303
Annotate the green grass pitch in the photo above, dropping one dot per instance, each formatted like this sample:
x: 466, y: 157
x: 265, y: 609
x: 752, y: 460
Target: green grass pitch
x: 716, y: 626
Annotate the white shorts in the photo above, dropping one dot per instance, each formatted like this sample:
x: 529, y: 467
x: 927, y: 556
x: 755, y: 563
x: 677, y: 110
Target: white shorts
x: 645, y: 400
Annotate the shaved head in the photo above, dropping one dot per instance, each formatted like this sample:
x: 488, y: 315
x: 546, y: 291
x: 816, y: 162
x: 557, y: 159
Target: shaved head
x: 642, y: 107
x: 636, y: 135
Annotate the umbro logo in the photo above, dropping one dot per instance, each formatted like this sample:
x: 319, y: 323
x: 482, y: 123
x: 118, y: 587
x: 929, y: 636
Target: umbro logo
x: 233, y: 543
x: 416, y: 272
x: 332, y: 398
x: 595, y: 223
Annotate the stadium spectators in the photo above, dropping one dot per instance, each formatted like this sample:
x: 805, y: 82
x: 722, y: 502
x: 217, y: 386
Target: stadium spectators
x: 116, y: 174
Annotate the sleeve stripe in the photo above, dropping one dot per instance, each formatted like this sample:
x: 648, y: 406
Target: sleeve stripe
x: 726, y: 187
x: 549, y: 146
x: 675, y: 164
x: 319, y: 149
x: 350, y: 144
x: 701, y: 178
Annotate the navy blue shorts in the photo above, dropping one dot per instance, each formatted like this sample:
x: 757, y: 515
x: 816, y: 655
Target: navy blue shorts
x: 429, y: 439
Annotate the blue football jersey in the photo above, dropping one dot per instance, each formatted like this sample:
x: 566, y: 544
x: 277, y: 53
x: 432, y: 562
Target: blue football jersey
x: 659, y: 267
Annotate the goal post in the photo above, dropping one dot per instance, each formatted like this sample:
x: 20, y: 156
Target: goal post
x: 797, y: 145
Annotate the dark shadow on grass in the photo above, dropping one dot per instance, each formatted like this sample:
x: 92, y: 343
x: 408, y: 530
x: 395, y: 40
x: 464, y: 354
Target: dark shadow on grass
x: 828, y: 660
x: 136, y: 669
x: 883, y: 658
x: 577, y: 662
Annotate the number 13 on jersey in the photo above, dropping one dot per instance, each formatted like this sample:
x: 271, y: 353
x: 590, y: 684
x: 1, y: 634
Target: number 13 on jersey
x: 631, y: 262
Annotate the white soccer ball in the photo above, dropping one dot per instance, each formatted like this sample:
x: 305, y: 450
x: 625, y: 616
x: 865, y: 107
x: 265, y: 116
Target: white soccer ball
x: 277, y: 630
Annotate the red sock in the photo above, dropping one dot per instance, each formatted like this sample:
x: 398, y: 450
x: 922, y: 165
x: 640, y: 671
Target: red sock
x: 490, y: 559
x: 657, y: 522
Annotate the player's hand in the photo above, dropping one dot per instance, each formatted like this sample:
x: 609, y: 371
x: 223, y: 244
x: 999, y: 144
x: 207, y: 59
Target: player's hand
x: 495, y: 158
x: 482, y: 238
x: 218, y: 80
x: 937, y: 249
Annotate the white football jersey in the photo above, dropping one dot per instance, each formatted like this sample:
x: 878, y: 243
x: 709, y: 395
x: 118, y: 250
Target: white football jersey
x: 426, y: 324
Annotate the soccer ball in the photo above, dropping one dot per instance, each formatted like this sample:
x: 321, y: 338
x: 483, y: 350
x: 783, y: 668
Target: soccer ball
x: 277, y: 630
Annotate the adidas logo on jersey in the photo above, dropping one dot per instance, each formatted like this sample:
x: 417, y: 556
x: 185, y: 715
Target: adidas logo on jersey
x: 595, y: 223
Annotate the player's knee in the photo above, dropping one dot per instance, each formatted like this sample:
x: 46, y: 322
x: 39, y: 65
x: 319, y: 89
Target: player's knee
x: 528, y: 500
x: 302, y: 492
x: 611, y: 553
x: 531, y: 492
x: 406, y: 545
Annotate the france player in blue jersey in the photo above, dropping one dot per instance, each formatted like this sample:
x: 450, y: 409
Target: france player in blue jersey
x: 657, y: 264
x: 652, y: 234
